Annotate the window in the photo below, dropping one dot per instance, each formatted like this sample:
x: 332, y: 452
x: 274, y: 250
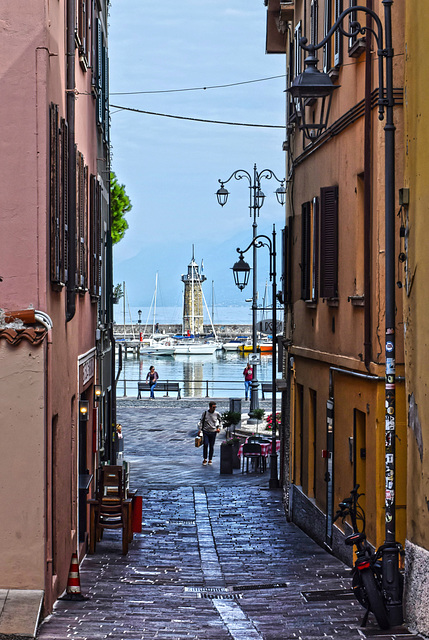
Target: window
x: 83, y: 30
x: 95, y: 236
x: 309, y: 250
x: 81, y: 223
x: 314, y: 17
x: 338, y: 37
x: 297, y: 57
x: 54, y: 196
x: 58, y: 194
x: 329, y: 242
x: 102, y: 82
x: 332, y: 51
x: 287, y: 262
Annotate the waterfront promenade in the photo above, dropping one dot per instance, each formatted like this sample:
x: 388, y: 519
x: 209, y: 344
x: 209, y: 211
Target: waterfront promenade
x: 216, y: 558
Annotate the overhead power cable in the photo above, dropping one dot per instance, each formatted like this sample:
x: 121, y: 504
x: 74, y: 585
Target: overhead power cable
x: 167, y: 115
x: 216, y: 86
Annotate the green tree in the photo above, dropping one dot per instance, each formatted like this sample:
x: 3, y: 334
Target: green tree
x: 120, y: 206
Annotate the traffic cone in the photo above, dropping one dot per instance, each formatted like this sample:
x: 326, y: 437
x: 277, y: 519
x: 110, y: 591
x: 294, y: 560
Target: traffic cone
x: 73, y: 582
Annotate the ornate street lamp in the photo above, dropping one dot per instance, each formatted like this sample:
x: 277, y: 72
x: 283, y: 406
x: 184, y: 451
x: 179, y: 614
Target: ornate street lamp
x: 313, y: 85
x: 257, y: 198
x: 241, y: 276
x: 241, y: 272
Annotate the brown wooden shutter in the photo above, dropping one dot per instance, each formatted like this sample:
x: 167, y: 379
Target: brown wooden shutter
x: 315, y: 256
x: 64, y: 201
x: 305, y: 250
x: 95, y: 237
x: 329, y: 242
x: 82, y: 223
x: 54, y: 196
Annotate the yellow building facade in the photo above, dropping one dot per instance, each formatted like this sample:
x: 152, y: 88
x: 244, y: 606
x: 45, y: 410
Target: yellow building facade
x: 334, y: 279
x: 415, y: 275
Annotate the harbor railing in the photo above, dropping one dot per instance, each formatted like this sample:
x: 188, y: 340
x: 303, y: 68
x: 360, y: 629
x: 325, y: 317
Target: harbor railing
x: 190, y: 388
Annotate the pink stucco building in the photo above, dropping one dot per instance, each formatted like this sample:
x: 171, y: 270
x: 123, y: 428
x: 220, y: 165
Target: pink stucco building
x: 55, y: 258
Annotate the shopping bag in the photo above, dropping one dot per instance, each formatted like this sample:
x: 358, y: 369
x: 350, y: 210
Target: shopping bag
x: 198, y: 441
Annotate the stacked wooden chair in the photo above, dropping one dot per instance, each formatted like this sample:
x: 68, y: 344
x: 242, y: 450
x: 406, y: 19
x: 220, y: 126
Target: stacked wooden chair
x: 111, y: 508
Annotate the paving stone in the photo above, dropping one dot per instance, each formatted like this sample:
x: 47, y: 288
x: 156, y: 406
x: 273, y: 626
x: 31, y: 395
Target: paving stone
x: 211, y: 552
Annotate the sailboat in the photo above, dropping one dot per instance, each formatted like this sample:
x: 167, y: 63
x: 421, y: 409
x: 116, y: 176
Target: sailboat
x: 152, y: 346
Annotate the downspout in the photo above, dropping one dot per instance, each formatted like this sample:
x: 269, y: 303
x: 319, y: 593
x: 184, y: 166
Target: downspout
x: 71, y: 171
x: 367, y: 197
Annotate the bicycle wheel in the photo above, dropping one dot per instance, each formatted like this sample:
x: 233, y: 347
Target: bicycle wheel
x: 375, y: 598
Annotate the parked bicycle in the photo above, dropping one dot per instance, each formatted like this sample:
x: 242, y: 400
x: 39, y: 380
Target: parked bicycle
x: 368, y: 569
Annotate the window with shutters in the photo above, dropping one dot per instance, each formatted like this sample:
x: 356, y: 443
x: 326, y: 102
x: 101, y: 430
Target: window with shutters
x: 54, y: 196
x: 297, y: 57
x: 309, y: 250
x: 333, y: 49
x: 101, y: 82
x: 84, y: 16
x: 81, y: 223
x: 64, y: 200
x: 58, y: 198
x: 357, y: 43
x: 314, y: 17
x: 286, y: 277
x: 329, y: 242
x: 95, y: 236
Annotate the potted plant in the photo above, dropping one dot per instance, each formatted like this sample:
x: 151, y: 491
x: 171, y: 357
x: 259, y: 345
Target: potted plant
x: 278, y: 420
x: 258, y: 414
x: 226, y: 457
x: 229, y: 419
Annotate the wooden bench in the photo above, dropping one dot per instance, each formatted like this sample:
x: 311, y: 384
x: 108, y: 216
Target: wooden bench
x: 266, y: 387
x: 161, y: 386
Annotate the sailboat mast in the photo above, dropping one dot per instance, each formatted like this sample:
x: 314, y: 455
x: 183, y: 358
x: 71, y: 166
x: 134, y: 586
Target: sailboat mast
x: 154, y: 304
x: 213, y: 301
x: 123, y: 289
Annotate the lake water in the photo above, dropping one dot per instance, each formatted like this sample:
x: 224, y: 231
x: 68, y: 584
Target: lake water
x: 219, y: 375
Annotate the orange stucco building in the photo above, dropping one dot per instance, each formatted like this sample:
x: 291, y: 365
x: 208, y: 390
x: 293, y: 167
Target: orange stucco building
x: 334, y: 278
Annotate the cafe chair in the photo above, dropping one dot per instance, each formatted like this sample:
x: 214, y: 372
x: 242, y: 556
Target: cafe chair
x: 110, y: 509
x: 252, y: 452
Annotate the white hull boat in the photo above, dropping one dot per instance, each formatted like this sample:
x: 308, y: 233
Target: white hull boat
x: 196, y: 348
x: 158, y: 348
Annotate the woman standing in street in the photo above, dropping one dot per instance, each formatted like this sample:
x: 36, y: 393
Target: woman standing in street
x: 248, y: 377
x: 152, y: 378
x: 210, y: 426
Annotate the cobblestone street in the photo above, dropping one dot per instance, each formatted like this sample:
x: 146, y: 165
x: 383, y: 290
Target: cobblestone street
x: 216, y: 557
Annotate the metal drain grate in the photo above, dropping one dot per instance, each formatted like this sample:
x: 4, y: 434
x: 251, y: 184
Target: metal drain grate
x: 214, y: 593
x: 257, y: 587
x: 221, y: 596
x: 182, y: 521
x: 208, y: 589
x: 324, y: 596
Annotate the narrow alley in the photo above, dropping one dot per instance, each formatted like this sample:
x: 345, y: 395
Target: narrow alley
x: 216, y: 557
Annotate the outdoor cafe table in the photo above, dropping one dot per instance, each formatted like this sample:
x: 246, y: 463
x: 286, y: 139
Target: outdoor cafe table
x: 266, y: 447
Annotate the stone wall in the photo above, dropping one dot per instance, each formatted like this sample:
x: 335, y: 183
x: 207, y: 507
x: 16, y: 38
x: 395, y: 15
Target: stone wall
x: 416, y: 593
x: 222, y: 330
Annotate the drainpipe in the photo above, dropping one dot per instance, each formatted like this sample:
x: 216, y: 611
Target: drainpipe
x: 71, y: 177
x: 367, y: 197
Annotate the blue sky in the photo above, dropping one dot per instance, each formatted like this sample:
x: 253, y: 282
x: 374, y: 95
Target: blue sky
x: 170, y: 168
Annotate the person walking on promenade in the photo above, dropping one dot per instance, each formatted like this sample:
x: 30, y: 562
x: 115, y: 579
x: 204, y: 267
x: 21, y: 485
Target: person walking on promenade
x: 152, y: 378
x: 210, y: 425
x: 248, y: 377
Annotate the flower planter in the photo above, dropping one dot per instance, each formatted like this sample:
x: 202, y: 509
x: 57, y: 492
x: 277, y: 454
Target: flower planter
x: 226, y: 458
x: 236, y: 461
